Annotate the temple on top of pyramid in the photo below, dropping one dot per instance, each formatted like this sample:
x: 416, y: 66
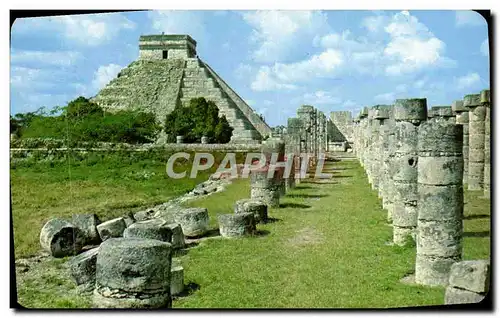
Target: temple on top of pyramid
x: 169, y: 73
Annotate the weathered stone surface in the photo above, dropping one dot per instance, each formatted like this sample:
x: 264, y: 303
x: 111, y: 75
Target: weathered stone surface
x: 129, y: 219
x: 194, y: 221
x: 477, y: 115
x: 111, y: 228
x: 269, y: 196
x: 410, y: 109
x: 471, y: 275
x: 433, y: 271
x: 155, y: 229
x: 256, y: 207
x: 236, y: 225
x: 133, y: 272
x: 440, y: 206
x: 61, y: 238
x: 176, y: 278
x: 88, y: 223
x: 454, y: 296
x: 177, y: 235
x: 82, y: 269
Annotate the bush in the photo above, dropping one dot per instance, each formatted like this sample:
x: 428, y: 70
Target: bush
x: 83, y: 120
x: 200, y: 118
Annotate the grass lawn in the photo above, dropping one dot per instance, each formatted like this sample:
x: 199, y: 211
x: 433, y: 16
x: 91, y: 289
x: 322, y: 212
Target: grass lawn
x: 326, y: 247
x: 109, y: 186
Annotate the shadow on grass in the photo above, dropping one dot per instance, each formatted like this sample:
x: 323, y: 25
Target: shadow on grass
x: 188, y: 290
x: 294, y: 205
x: 477, y: 216
x: 262, y: 233
x: 306, y: 195
x: 320, y: 181
x: 302, y: 187
x: 273, y: 220
x: 342, y: 176
x: 477, y: 234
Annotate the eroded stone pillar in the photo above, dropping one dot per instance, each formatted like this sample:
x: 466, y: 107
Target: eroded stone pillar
x: 363, y: 135
x: 462, y: 118
x: 386, y: 137
x: 275, y: 148
x: 477, y: 114
x: 443, y: 113
x: 408, y: 113
x: 380, y: 115
x: 292, y: 146
x: 440, y: 201
x: 485, y: 99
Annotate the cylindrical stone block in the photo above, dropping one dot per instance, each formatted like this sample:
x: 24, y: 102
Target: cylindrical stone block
x: 408, y: 113
x: 204, y: 140
x: 88, y: 223
x: 236, y: 225
x: 133, y: 273
x: 179, y: 139
x: 440, y: 201
x: 194, y: 221
x: 111, y: 228
x: 61, y: 238
x: 156, y: 229
x: 477, y: 114
x: 176, y: 278
x: 462, y: 118
x: 256, y: 207
x: 264, y: 188
x: 82, y: 269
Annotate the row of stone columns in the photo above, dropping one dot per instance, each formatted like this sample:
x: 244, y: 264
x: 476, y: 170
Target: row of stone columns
x: 415, y: 158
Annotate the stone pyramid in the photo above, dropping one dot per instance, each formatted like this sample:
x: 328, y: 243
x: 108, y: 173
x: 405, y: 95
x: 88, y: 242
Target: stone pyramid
x: 169, y: 73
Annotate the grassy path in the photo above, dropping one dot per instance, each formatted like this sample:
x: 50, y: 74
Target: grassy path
x: 326, y: 250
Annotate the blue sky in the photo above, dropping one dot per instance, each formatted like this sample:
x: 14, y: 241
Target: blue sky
x: 275, y: 60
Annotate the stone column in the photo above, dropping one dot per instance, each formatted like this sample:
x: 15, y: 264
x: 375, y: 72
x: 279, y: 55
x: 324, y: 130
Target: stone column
x: 485, y: 99
x: 276, y: 146
x: 443, y: 113
x: 386, y: 137
x: 292, y: 146
x: 462, y: 118
x: 440, y: 201
x: 408, y: 113
x: 355, y: 134
x: 477, y: 114
x: 380, y: 115
x: 363, y: 135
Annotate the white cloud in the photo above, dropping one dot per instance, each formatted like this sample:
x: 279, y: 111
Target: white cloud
x: 386, y: 97
x: 283, y: 76
x: 85, y: 29
x: 412, y: 46
x: 467, y: 81
x: 468, y: 17
x: 178, y: 22
x: 56, y: 58
x: 321, y: 98
x: 485, y: 47
x: 266, y: 81
x: 275, y: 33
x: 375, y: 23
x: 104, y: 74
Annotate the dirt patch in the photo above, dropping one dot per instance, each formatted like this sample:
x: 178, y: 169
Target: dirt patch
x: 306, y: 236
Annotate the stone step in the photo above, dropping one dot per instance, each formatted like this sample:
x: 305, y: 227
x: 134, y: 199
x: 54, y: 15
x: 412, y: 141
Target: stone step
x: 193, y: 63
x: 195, y: 72
x: 199, y: 83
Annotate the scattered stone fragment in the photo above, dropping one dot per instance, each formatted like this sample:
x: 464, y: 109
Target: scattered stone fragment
x: 236, y: 225
x: 176, y: 277
x: 133, y: 273
x: 194, y: 221
x: 455, y: 296
x: 473, y: 276
x: 177, y: 235
x: 155, y: 229
x: 61, y: 238
x: 111, y: 228
x: 82, y: 269
x: 88, y: 223
x: 257, y: 207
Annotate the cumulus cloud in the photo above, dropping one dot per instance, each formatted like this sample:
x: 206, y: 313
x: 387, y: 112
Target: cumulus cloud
x: 85, y: 29
x: 178, y: 22
x: 104, y: 74
x: 412, y: 46
x: 275, y: 33
x: 468, y: 18
x: 467, y: 81
x: 283, y: 76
